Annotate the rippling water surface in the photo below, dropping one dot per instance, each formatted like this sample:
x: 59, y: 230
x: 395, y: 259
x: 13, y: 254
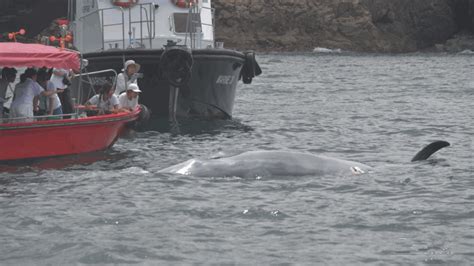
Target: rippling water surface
x: 113, y: 207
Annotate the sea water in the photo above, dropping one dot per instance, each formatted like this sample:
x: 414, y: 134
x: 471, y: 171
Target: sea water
x: 114, y: 208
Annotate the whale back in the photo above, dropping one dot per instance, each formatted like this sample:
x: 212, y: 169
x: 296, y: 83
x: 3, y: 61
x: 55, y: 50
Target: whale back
x: 281, y: 163
x: 267, y: 163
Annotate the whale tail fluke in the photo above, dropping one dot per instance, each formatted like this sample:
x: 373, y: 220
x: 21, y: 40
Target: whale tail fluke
x: 427, y: 151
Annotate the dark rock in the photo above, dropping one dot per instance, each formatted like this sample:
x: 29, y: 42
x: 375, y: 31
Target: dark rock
x: 357, y: 25
x: 471, y: 14
x: 459, y: 43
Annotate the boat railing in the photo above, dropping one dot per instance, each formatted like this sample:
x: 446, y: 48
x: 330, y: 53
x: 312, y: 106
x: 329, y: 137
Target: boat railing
x: 212, y: 24
x: 149, y: 22
x: 81, y: 112
x: 96, y: 72
x: 146, y: 19
x: 88, y: 82
x: 36, y: 118
x: 194, y: 27
x: 100, y: 12
x: 80, y: 94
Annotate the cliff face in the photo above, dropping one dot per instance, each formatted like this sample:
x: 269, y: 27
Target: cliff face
x: 357, y: 25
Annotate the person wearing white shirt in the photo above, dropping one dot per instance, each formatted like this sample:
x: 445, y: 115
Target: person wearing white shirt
x: 25, y: 99
x: 53, y: 106
x: 105, y: 101
x: 128, y: 76
x: 58, y: 76
x: 8, y: 76
x: 129, y: 99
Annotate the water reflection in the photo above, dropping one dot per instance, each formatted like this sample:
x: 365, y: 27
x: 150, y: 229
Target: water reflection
x: 62, y: 162
x: 196, y: 126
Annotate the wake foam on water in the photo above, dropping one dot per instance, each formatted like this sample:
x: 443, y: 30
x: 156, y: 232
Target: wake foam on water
x: 259, y: 213
x: 467, y: 52
x: 134, y: 170
x: 323, y: 50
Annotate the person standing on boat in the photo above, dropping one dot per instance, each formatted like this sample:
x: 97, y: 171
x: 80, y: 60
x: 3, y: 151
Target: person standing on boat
x: 106, y: 101
x: 129, y: 99
x: 8, y: 76
x: 26, y: 96
x: 57, y: 77
x: 61, y: 81
x: 128, y: 76
x: 53, y: 104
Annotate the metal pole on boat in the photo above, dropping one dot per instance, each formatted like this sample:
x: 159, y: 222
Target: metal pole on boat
x: 186, y: 35
x: 130, y: 28
x: 103, y: 31
x: 79, y: 96
x: 141, y: 25
x: 152, y: 26
x: 123, y: 28
x: 173, y: 103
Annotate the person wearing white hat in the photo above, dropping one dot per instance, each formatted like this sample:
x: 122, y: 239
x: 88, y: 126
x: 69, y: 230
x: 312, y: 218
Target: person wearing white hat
x: 129, y: 99
x: 128, y: 76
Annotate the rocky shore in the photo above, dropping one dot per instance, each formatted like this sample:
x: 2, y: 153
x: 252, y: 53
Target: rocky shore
x: 354, y: 25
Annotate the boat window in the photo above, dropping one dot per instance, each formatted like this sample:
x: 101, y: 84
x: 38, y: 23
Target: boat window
x: 180, y: 20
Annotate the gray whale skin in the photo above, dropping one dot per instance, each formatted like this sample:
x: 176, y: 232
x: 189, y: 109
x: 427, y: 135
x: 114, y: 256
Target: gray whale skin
x: 267, y: 163
x: 281, y: 163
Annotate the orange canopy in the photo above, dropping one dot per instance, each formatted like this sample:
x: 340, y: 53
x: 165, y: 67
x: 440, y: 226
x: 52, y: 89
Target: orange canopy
x: 13, y: 54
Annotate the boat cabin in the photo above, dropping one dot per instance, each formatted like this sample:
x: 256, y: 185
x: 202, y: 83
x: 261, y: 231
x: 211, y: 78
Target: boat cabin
x: 100, y: 25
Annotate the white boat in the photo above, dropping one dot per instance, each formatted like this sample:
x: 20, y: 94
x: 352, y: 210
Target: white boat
x: 185, y: 71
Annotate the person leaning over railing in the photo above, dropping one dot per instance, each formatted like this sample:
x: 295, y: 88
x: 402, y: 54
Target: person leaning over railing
x: 105, y: 102
x: 26, y: 97
x: 128, y: 100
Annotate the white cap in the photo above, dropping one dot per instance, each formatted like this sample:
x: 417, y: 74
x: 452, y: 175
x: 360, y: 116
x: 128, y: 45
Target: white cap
x: 130, y: 62
x: 133, y: 87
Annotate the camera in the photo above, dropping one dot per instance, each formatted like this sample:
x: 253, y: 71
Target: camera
x: 66, y: 81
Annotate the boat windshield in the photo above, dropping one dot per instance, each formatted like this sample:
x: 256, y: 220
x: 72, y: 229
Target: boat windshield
x: 183, y: 25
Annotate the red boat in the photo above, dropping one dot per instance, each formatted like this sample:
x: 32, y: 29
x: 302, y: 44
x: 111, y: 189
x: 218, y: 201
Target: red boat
x: 45, y: 138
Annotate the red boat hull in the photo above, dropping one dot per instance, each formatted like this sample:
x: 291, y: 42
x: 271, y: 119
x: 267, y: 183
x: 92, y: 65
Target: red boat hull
x: 61, y: 137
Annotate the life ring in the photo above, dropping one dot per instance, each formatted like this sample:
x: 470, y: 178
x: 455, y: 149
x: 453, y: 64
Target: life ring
x: 185, y: 3
x: 125, y: 3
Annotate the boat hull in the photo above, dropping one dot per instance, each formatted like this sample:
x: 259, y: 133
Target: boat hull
x: 210, y: 92
x: 61, y: 137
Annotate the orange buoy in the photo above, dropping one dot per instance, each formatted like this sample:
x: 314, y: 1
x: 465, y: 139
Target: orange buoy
x: 184, y: 3
x: 125, y: 3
